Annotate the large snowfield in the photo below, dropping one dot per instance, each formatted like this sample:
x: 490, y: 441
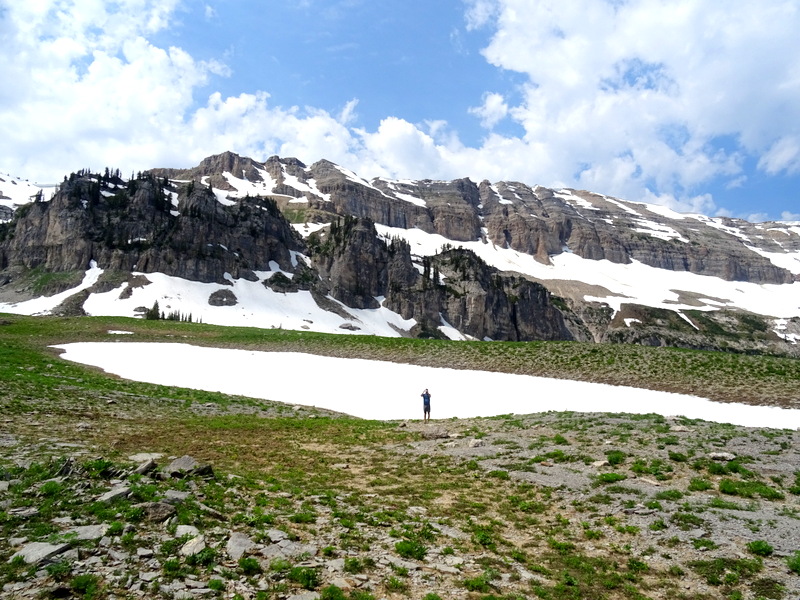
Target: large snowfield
x: 383, y: 390
x: 380, y: 390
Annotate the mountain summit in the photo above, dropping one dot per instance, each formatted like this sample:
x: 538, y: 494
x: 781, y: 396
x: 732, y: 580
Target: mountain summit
x: 282, y: 244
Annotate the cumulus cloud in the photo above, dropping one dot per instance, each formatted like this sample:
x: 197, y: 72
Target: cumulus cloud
x: 493, y: 110
x: 643, y: 99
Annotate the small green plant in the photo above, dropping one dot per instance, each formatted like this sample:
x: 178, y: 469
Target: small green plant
x: 305, y: 576
x: 411, y: 549
x: 760, y: 548
x: 431, y: 596
x: 216, y: 584
x: 116, y: 528
x: 658, y: 525
x: 206, y: 557
x: 332, y: 592
x: 353, y: 564
x: 698, y: 484
x: 610, y: 477
x: 669, y: 495
x: 703, y: 544
x: 59, y: 570
x: 615, y: 457
x: 481, y: 583
x: 393, y: 584
x: 793, y: 562
x: 749, y: 489
x: 87, y: 586
x: 249, y: 566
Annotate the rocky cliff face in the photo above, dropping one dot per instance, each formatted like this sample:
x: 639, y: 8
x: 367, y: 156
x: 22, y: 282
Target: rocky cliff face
x: 148, y: 225
x: 226, y: 219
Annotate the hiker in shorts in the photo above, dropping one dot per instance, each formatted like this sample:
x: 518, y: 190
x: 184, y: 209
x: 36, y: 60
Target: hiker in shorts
x: 426, y: 405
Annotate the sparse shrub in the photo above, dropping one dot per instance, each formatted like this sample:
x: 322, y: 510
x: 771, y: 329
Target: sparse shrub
x: 703, y: 544
x: 87, y: 586
x: 305, y: 576
x: 481, y: 583
x: 610, y: 477
x: 768, y: 588
x: 615, y: 457
x: 116, y: 528
x: 760, y: 548
x: 204, y: 558
x: 216, y: 584
x: 410, y: 549
x: 686, y: 520
x: 393, y: 584
x: 658, y: 525
x: 637, y: 566
x: 249, y: 566
x: 59, y: 570
x: 303, y: 517
x: 793, y: 562
x: 353, y: 564
x: 669, y: 495
x: 749, y: 489
x: 698, y: 484
x: 678, y: 456
x: 726, y: 570
x: 332, y: 592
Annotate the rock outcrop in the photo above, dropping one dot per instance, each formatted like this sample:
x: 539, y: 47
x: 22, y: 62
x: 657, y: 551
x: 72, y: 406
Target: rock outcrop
x: 229, y: 219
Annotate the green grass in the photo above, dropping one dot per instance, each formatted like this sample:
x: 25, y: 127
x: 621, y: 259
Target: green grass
x: 285, y: 475
x: 735, y: 376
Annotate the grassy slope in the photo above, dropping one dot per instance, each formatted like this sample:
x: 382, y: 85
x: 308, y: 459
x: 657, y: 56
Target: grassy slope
x: 44, y: 401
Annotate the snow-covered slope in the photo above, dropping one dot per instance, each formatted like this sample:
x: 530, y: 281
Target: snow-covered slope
x: 322, y: 190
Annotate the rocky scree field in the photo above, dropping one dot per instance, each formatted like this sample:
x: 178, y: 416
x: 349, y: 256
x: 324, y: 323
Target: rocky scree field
x: 115, y: 489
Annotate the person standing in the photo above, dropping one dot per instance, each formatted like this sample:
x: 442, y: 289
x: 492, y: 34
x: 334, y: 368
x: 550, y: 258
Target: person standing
x: 426, y: 405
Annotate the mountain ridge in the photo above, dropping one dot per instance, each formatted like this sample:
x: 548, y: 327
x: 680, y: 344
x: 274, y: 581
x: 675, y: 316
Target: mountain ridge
x: 451, y: 256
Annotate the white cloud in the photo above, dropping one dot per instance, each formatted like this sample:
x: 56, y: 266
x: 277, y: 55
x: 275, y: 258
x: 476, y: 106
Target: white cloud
x: 635, y: 96
x: 643, y: 99
x: 493, y: 110
x: 783, y: 155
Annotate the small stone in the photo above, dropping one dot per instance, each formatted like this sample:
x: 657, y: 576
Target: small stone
x: 114, y: 493
x: 276, y: 535
x: 600, y: 463
x: 36, y: 552
x: 447, y: 569
x: 193, y: 546
x: 182, y: 530
x: 156, y: 511
x: 176, y: 496
x: 187, y: 465
x: 721, y: 456
x: 89, y: 532
x: 238, y: 545
x: 145, y: 467
x: 476, y: 444
x: 145, y: 456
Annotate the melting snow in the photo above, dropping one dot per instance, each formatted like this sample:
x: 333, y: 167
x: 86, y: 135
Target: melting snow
x: 392, y: 390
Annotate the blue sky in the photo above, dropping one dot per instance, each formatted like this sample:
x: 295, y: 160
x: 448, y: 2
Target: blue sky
x: 691, y: 104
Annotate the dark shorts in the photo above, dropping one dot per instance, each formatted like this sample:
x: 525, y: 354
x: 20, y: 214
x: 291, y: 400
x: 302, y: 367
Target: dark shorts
x: 426, y: 407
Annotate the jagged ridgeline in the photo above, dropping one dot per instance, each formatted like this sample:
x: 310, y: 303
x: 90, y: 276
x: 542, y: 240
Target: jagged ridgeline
x: 415, y: 248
